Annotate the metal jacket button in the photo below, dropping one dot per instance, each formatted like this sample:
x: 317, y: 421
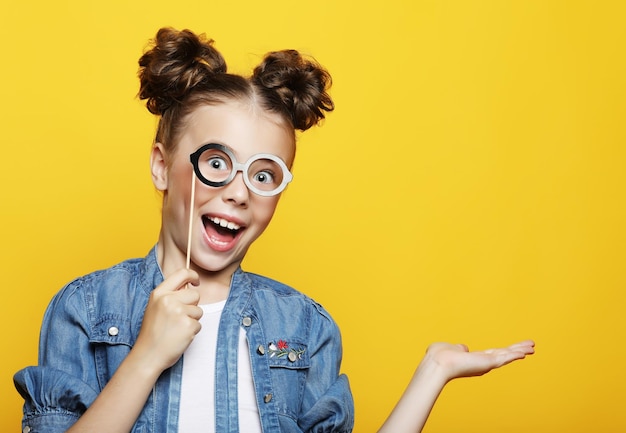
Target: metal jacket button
x: 246, y: 321
x: 261, y: 349
x: 267, y: 398
x: 113, y: 331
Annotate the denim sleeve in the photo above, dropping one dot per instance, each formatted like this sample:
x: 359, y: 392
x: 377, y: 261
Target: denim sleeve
x: 332, y: 412
x: 59, y: 390
x: 328, y: 405
x: 53, y: 399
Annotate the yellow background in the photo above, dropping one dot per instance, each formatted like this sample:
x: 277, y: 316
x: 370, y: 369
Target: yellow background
x: 469, y: 186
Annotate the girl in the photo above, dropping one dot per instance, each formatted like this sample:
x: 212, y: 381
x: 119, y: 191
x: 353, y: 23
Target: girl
x: 184, y: 339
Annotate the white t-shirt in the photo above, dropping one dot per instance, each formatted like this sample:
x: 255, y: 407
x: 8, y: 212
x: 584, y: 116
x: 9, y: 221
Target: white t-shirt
x: 197, y: 395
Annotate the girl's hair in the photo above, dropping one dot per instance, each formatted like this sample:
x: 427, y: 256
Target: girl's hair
x: 181, y: 71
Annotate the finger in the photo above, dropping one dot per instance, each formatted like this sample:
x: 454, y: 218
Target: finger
x: 197, y: 327
x: 508, y: 357
x: 463, y: 347
x: 179, y: 280
x: 188, y: 297
x: 194, y: 312
x: 527, y: 346
x: 523, y: 343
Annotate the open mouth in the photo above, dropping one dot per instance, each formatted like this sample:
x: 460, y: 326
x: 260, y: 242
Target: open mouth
x: 220, y: 231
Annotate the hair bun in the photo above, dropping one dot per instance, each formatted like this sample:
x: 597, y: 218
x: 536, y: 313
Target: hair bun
x: 176, y: 62
x: 297, y: 84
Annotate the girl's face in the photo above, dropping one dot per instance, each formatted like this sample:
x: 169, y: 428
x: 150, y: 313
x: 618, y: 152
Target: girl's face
x: 227, y: 219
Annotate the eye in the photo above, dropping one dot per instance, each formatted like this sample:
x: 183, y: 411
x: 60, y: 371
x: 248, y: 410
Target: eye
x: 217, y: 163
x: 264, y: 177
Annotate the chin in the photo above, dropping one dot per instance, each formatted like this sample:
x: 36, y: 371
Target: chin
x: 216, y: 265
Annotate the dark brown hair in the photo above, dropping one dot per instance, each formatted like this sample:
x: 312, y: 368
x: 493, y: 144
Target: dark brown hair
x: 181, y: 71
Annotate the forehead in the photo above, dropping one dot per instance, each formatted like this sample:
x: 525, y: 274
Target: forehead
x: 243, y: 127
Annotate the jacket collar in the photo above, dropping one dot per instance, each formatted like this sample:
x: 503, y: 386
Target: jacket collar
x: 151, y: 274
x: 239, y: 295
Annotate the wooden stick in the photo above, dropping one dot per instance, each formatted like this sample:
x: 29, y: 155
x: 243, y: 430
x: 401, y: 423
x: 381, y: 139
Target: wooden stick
x: 191, y: 207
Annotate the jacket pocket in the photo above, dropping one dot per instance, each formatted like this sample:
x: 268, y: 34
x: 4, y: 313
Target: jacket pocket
x: 111, y: 339
x: 289, y: 364
x: 288, y: 354
x: 112, y: 329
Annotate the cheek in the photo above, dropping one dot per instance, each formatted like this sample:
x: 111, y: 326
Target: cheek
x: 264, y: 210
x: 180, y: 176
x: 179, y: 183
x: 176, y: 198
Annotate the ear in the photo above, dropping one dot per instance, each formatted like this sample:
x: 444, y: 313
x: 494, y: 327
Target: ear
x: 158, y: 167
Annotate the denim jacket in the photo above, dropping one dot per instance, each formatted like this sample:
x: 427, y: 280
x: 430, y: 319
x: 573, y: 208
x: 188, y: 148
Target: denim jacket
x: 92, y: 323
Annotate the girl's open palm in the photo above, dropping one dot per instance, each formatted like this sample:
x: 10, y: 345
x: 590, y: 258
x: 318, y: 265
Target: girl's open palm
x: 442, y: 363
x: 458, y: 361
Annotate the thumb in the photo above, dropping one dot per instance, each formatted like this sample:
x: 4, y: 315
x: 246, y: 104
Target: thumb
x: 179, y: 280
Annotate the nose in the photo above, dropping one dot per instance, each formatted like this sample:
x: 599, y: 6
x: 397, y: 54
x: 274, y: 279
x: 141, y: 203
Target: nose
x: 237, y: 192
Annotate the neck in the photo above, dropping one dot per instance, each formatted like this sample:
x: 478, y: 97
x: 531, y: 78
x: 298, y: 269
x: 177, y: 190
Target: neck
x: 212, y: 292
x: 214, y: 285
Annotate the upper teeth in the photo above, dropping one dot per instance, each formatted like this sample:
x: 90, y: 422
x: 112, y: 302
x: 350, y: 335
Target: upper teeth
x: 224, y: 223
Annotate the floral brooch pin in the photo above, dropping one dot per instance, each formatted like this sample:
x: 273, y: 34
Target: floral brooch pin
x: 281, y: 349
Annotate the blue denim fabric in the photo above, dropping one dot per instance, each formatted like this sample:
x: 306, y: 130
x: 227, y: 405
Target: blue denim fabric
x: 92, y: 323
